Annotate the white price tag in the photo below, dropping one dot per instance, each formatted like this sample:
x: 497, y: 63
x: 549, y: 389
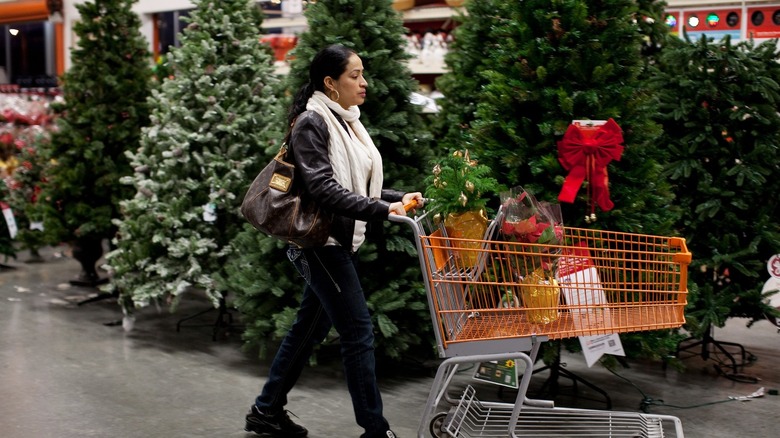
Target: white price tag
x: 210, y: 212
x: 10, y: 220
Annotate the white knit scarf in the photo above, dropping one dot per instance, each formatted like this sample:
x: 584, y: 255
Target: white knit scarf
x: 349, y: 154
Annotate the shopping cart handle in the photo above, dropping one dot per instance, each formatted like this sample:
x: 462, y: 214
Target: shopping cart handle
x: 401, y: 218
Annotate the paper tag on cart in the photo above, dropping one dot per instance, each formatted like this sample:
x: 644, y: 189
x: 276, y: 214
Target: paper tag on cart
x: 582, y: 290
x: 10, y: 220
x: 593, y: 347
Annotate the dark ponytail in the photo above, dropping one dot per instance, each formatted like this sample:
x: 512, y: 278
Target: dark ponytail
x: 331, y: 61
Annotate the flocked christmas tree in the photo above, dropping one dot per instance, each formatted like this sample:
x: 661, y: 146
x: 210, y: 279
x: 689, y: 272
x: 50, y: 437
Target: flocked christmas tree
x: 391, y: 274
x: 719, y: 105
x: 105, y: 92
x: 211, y: 122
x: 541, y: 65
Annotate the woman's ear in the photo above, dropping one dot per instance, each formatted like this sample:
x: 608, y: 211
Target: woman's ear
x: 328, y: 81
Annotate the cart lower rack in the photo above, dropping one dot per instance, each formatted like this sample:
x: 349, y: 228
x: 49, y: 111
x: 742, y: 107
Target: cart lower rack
x: 496, y: 298
x: 473, y: 418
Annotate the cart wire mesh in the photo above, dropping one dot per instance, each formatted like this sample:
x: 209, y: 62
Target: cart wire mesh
x: 598, y: 282
x: 494, y: 299
x: 474, y: 418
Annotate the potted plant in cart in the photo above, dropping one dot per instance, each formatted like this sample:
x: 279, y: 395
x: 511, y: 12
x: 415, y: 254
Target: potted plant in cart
x: 458, y: 187
x: 534, y: 232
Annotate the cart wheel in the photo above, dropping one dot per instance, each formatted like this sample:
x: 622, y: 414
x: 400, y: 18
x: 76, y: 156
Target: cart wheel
x: 436, y: 425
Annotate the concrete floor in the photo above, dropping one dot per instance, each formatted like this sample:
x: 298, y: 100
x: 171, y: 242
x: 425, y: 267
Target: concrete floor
x: 67, y: 372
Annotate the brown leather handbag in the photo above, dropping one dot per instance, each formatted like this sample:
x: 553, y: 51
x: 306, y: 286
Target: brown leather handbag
x: 275, y: 205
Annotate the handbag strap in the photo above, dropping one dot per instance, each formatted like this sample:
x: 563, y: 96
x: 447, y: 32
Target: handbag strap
x: 282, y: 154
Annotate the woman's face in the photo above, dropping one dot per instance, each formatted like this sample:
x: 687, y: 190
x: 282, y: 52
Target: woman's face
x: 351, y: 85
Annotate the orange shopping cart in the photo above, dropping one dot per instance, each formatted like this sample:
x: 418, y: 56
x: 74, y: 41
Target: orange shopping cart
x: 497, y: 300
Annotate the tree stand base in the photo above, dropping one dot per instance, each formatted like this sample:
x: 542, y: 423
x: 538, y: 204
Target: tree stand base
x: 710, y: 345
x: 87, y: 251
x: 224, y: 320
x: 88, y: 281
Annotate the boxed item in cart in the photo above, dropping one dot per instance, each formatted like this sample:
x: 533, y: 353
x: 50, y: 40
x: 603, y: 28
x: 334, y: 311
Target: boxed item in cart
x: 581, y: 288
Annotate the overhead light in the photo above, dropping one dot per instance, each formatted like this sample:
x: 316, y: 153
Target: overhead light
x: 671, y: 21
x: 757, y: 18
x: 693, y: 21
x: 713, y: 20
x: 13, y: 31
x: 732, y: 19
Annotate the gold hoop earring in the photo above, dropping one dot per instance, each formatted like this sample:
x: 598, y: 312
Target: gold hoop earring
x: 338, y: 95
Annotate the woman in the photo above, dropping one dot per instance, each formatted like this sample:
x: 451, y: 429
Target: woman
x: 340, y: 166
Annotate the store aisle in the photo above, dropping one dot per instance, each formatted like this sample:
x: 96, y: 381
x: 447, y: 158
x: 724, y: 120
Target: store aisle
x: 67, y: 371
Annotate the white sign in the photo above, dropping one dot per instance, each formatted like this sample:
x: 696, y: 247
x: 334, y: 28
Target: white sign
x: 773, y: 266
x: 773, y: 284
x: 10, y: 220
x: 582, y: 290
x: 593, y: 347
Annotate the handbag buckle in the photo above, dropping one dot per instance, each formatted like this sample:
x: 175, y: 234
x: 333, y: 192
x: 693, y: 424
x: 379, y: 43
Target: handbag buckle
x: 280, y: 182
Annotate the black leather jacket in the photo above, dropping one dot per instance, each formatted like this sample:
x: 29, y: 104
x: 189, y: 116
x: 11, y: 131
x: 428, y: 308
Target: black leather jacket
x: 308, y: 150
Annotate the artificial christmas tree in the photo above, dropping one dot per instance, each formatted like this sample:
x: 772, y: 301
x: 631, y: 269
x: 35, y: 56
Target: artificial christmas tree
x: 397, y: 299
x: 211, y: 123
x: 466, y: 60
x: 535, y: 67
x: 721, y: 126
x: 564, y: 62
x: 104, y: 108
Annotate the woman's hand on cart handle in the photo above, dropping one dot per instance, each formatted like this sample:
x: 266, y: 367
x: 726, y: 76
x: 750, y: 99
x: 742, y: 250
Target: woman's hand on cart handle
x: 412, y: 201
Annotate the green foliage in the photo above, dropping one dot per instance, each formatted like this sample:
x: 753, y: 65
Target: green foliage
x: 459, y: 184
x: 547, y: 64
x: 210, y: 124
x: 650, y: 16
x: 105, y: 92
x: 718, y: 107
x: 266, y: 287
x: 466, y: 60
x: 22, y: 191
x: 522, y: 71
x: 374, y: 30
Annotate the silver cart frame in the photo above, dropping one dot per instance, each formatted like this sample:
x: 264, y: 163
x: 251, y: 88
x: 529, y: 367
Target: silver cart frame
x: 466, y: 416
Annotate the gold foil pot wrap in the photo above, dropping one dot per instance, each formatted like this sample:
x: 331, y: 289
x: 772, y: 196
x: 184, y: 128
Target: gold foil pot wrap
x: 540, y: 297
x: 468, y: 225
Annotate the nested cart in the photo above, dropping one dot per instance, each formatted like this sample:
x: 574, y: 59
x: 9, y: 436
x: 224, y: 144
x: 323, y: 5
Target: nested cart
x: 497, y: 300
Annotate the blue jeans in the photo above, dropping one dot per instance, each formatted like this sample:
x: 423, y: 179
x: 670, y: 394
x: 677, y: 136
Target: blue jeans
x: 333, y: 297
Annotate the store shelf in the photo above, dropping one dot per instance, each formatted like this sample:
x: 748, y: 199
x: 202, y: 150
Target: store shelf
x: 415, y: 15
x: 420, y: 68
x: 283, y: 22
x: 416, y: 67
x: 411, y: 15
x: 430, y: 13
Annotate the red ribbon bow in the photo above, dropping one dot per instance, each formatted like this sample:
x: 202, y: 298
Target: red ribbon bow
x: 586, y: 155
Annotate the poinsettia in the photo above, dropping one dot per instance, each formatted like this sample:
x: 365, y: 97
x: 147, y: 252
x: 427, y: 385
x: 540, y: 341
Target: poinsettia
x: 526, y: 220
x: 537, y: 229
